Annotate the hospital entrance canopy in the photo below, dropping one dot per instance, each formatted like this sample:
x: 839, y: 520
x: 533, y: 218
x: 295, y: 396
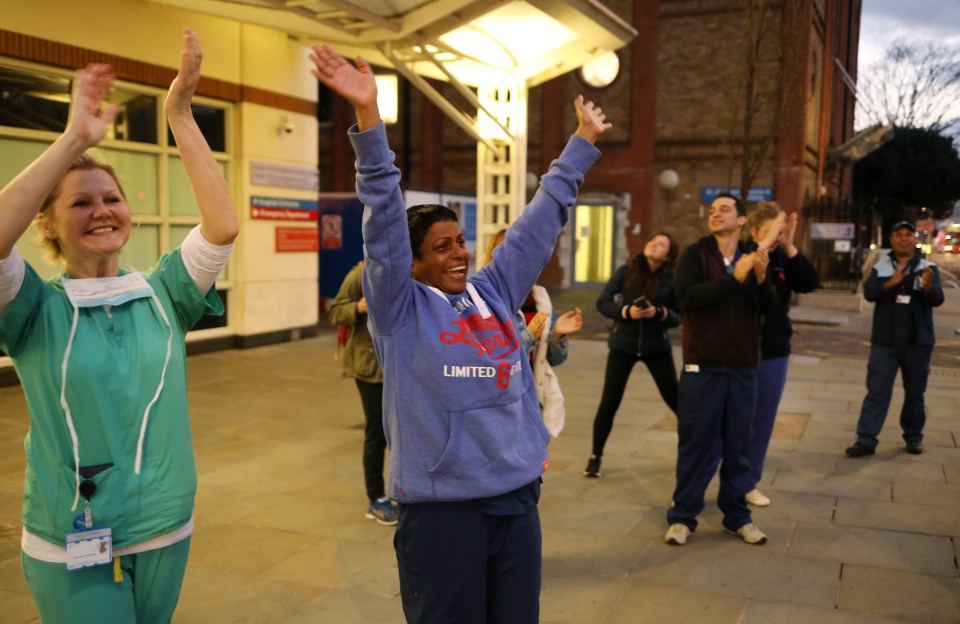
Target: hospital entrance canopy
x: 491, y: 51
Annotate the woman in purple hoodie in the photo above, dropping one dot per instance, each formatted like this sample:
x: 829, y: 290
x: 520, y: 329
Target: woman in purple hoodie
x: 461, y: 416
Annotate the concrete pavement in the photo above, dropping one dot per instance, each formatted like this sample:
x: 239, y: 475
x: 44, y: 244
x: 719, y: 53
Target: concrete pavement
x: 281, y: 538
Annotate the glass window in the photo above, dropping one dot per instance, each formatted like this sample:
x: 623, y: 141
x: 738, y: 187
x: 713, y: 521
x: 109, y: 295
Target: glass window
x: 213, y: 126
x: 33, y: 100
x: 137, y: 120
x: 40, y: 101
x: 143, y: 247
x: 16, y: 156
x: 182, y: 200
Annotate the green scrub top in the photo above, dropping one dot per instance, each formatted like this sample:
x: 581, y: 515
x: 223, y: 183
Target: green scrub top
x: 113, y: 372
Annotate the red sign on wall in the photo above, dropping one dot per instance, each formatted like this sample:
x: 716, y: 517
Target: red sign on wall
x: 297, y: 239
x: 332, y: 226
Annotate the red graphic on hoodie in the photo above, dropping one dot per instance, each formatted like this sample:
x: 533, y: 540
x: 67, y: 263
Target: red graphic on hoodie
x: 488, y: 335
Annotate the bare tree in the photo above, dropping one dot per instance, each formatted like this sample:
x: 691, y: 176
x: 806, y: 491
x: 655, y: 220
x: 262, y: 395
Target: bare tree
x: 758, y: 52
x: 916, y: 85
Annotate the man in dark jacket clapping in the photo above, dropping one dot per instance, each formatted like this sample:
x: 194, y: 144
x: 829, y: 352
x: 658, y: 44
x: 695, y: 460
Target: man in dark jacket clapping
x: 905, y: 288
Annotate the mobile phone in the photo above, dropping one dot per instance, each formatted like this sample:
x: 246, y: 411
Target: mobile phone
x: 641, y: 302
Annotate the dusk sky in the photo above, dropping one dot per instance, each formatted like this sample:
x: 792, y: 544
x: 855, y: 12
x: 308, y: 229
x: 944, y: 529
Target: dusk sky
x: 884, y: 21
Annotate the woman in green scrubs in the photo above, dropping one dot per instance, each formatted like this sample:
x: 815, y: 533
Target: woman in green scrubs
x: 99, y: 349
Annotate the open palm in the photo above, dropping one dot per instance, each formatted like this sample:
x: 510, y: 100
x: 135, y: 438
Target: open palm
x: 357, y: 85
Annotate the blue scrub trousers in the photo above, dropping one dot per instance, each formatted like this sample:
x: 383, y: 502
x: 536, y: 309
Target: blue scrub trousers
x: 771, y: 379
x: 460, y: 566
x: 914, y: 365
x: 148, y: 593
x: 716, y: 403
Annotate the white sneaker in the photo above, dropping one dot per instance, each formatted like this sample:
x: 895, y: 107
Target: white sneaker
x: 750, y: 534
x: 677, y: 534
x: 755, y: 498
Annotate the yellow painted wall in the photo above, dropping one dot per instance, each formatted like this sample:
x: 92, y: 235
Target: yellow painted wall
x: 271, y: 291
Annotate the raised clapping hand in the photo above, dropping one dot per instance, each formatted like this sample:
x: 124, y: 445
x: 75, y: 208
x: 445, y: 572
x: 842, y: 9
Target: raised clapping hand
x: 772, y: 231
x: 357, y: 85
x: 591, y: 120
x: 88, y: 121
x: 569, y: 322
x: 188, y: 77
x: 788, y: 233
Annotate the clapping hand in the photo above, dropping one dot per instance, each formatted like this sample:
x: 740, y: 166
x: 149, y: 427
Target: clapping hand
x: 760, y: 264
x: 537, y: 323
x: 568, y: 323
x: 88, y: 122
x: 185, y: 84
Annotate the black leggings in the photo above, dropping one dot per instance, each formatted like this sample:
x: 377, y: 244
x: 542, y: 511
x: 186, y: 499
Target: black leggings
x: 374, y: 441
x: 619, y: 366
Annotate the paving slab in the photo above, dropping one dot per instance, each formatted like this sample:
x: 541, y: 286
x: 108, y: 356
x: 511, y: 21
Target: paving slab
x: 575, y: 553
x: 893, y: 593
x: 211, y: 594
x: 894, y: 550
x: 898, y: 517
x: 809, y: 482
x: 926, y: 493
x: 762, y: 612
x: 344, y: 606
x: 580, y: 598
x: 652, y: 603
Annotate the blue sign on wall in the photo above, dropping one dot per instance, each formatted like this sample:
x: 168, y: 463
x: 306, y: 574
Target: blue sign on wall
x: 756, y: 193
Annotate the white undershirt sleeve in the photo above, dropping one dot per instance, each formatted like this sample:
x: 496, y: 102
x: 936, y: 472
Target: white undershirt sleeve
x: 203, y: 259
x: 12, y: 270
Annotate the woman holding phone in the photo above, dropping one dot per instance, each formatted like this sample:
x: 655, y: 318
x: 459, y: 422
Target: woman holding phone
x: 642, y: 302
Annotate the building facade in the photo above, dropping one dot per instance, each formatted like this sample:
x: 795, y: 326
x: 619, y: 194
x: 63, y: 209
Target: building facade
x: 723, y: 93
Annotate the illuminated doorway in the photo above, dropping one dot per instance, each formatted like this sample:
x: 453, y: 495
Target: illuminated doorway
x: 593, y: 244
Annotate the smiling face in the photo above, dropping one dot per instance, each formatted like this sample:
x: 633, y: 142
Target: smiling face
x: 443, y: 258
x: 88, y: 218
x: 723, y: 216
x: 903, y: 241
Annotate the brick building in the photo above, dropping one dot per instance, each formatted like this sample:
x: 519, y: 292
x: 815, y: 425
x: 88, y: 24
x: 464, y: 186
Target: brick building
x: 678, y: 104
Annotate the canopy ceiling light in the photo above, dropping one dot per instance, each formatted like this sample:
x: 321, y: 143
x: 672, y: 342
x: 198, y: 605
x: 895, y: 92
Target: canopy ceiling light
x: 531, y: 40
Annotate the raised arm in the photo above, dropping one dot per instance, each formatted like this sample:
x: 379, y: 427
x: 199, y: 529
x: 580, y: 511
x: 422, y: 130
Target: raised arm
x: 531, y: 239
x: 357, y: 84
x: 87, y: 124
x: 218, y: 221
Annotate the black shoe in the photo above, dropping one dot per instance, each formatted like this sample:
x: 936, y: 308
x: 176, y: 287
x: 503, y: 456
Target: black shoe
x: 592, y: 470
x: 860, y: 450
x: 914, y: 447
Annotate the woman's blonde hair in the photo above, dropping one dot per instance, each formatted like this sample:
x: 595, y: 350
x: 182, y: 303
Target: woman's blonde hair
x: 51, y: 247
x: 495, y: 240
x: 765, y: 211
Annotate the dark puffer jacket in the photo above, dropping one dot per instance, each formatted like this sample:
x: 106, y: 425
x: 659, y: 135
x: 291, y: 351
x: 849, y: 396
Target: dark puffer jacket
x: 643, y: 337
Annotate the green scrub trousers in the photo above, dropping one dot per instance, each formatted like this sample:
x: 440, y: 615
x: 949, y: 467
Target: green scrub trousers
x: 148, y: 593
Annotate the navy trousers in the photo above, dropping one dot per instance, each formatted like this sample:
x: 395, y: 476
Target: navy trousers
x: 460, y: 566
x: 715, y: 403
x: 771, y: 378
x: 374, y: 440
x: 914, y: 365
